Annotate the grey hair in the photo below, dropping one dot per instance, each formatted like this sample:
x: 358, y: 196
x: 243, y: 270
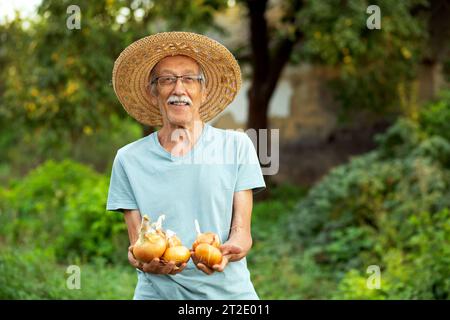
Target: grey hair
x: 152, y: 83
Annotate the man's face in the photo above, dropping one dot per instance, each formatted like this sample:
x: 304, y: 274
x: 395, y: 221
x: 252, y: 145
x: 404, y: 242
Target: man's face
x: 179, y: 102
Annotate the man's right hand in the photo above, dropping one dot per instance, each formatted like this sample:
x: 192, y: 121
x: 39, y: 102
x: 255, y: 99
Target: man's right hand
x: 156, y: 266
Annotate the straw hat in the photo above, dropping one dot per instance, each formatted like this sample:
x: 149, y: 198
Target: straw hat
x: 131, y: 73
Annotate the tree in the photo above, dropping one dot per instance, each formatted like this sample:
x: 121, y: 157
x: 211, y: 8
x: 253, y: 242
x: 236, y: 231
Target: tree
x: 335, y: 33
x: 56, y: 96
x: 268, y: 64
x: 61, y: 78
x: 58, y: 80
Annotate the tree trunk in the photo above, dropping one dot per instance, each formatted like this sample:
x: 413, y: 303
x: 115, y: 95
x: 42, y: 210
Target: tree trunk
x: 267, y: 67
x: 257, y: 119
x: 258, y: 107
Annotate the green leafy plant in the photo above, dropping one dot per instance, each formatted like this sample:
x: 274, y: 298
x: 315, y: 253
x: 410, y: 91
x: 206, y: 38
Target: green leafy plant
x: 36, y: 274
x: 62, y: 205
x: 388, y: 208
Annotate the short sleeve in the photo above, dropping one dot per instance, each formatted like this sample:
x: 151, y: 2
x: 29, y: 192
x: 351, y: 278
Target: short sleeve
x: 120, y: 193
x: 249, y: 175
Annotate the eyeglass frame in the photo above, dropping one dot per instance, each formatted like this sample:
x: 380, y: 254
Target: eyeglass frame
x: 195, y: 77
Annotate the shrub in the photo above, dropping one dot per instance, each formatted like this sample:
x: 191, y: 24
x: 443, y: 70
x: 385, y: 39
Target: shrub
x: 421, y: 272
x: 272, y: 267
x: 388, y: 208
x: 435, y: 117
x: 35, y: 274
x: 61, y: 206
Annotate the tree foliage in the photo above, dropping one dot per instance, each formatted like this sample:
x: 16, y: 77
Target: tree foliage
x: 56, y: 91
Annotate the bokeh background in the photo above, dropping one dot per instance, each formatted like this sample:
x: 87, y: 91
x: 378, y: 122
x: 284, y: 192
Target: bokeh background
x: 364, y: 120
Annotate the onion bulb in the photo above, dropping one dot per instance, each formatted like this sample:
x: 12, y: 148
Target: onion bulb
x: 151, y: 243
x: 207, y: 237
x: 178, y: 254
x: 175, y: 251
x: 208, y: 254
x: 206, y: 247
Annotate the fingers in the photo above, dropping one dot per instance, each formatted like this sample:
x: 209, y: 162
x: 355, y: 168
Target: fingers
x: 151, y: 266
x: 178, y: 269
x: 167, y: 267
x: 158, y: 266
x: 220, y: 267
x: 230, y: 249
x: 135, y: 263
x: 205, y: 268
x: 200, y: 265
x: 193, y: 257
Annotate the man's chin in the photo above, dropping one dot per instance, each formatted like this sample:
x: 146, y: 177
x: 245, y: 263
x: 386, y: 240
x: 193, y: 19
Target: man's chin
x: 180, y: 121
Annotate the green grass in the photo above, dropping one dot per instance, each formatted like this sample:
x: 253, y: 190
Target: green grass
x: 34, y: 274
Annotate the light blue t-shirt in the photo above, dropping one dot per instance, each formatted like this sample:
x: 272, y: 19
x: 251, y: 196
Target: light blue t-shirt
x: 199, y: 185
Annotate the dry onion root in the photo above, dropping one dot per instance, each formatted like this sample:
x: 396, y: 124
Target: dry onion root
x: 175, y: 251
x: 206, y: 247
x: 151, y: 243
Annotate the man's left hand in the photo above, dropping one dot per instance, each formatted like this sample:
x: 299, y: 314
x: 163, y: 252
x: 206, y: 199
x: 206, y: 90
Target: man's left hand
x: 230, y: 252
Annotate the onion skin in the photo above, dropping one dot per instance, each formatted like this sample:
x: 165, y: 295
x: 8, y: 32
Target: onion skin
x: 207, y: 237
x: 177, y: 254
x: 208, y: 254
x: 149, y: 247
x: 174, y: 241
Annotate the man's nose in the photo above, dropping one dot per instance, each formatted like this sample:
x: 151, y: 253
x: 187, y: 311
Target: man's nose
x: 179, y: 88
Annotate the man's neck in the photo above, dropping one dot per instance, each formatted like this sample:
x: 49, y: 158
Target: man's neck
x: 180, y: 139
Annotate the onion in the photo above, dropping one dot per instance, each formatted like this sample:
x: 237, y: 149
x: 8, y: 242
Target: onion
x: 178, y: 254
x: 208, y: 254
x: 207, y: 237
x: 206, y: 247
x: 150, y: 244
x: 175, y: 251
x: 173, y: 240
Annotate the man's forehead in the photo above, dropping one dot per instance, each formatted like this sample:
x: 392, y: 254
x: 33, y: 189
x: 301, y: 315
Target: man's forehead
x: 180, y: 62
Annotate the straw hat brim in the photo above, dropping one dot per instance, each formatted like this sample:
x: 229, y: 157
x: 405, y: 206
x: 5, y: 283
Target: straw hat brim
x: 131, y: 73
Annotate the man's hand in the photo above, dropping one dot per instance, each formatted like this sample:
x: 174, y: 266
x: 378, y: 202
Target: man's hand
x: 230, y: 252
x: 156, y: 266
x: 240, y: 239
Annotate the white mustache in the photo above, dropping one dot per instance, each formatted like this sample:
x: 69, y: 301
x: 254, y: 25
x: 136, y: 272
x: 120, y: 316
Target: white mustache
x: 185, y: 99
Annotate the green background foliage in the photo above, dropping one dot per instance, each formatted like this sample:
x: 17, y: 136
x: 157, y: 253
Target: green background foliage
x: 388, y: 208
x: 60, y: 126
x: 338, y: 36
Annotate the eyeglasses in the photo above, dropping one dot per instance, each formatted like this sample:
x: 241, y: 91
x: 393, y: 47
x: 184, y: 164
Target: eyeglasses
x: 168, y: 81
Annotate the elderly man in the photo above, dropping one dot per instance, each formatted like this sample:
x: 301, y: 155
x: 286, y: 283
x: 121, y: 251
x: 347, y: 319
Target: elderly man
x: 187, y: 170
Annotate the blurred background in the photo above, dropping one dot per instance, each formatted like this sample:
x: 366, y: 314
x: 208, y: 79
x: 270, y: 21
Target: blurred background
x: 364, y: 120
